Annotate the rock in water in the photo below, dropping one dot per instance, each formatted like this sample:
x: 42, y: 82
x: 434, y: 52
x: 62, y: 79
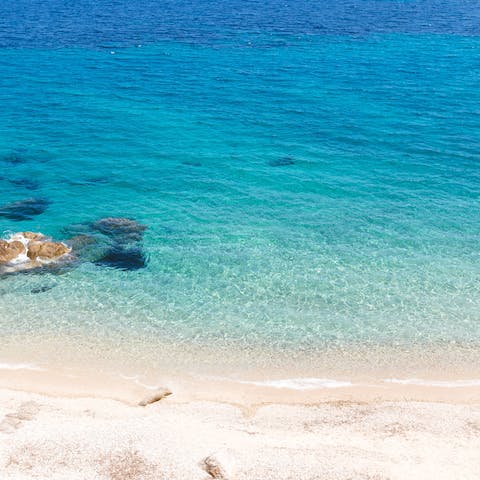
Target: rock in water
x: 25, y: 182
x: 10, y: 250
x: 14, y: 158
x: 122, y: 230
x: 42, y: 289
x: 159, y: 394
x: 24, y: 209
x: 32, y: 235
x: 123, y: 258
x: 80, y: 242
x: 220, y: 465
x: 46, y: 250
x: 281, y: 162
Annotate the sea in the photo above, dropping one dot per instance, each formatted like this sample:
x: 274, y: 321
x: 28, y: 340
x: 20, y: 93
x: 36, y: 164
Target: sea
x: 307, y: 174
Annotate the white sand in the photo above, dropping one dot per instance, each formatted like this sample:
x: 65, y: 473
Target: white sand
x: 90, y: 438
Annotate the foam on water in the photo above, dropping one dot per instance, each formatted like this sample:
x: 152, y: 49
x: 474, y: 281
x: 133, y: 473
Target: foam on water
x: 434, y: 383
x: 301, y: 383
x: 20, y: 366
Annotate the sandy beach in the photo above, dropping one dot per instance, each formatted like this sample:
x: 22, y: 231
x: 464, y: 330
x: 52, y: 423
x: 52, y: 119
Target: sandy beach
x: 82, y: 437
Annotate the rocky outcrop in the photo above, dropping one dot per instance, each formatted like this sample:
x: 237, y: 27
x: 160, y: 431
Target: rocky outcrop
x: 46, y: 250
x: 29, y: 250
x: 9, y: 251
x: 114, y: 242
x: 32, y: 235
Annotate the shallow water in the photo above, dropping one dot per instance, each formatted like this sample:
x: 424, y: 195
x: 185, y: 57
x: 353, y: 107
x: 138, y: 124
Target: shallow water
x: 309, y: 182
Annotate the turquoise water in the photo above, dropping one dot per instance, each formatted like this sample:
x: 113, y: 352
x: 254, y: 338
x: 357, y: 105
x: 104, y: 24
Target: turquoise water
x: 301, y: 191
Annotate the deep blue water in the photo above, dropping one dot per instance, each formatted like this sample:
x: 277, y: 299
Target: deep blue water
x: 308, y: 173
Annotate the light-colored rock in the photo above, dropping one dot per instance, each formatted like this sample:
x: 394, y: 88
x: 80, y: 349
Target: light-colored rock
x: 10, y: 250
x: 46, y: 250
x: 155, y: 396
x: 32, y: 235
x: 220, y: 465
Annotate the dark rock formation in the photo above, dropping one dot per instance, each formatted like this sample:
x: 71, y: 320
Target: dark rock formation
x: 281, y: 162
x: 121, y: 230
x: 123, y: 258
x: 41, y: 289
x: 24, y: 209
x: 25, y: 182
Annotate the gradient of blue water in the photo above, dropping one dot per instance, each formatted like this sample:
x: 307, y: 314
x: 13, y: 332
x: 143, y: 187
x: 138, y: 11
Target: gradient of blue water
x: 176, y: 115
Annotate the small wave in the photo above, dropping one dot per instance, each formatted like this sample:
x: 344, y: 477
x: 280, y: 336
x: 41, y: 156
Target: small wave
x: 136, y: 379
x: 301, y: 383
x: 434, y: 383
x: 20, y: 366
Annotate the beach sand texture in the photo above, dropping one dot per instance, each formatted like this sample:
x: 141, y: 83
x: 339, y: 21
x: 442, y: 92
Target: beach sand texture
x: 89, y: 438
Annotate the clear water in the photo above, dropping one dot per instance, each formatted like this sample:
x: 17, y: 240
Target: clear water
x: 309, y: 175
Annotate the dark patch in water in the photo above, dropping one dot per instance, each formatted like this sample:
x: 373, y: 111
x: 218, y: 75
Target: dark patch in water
x: 25, y: 182
x: 24, y: 209
x: 14, y: 158
x: 22, y: 156
x: 121, y: 230
x: 89, y: 181
x: 87, y: 248
x: 41, y: 289
x: 281, y: 162
x: 109, y: 242
x: 192, y: 163
x: 123, y: 258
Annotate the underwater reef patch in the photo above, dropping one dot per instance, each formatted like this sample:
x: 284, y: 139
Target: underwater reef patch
x: 123, y: 258
x: 121, y: 230
x: 282, y: 162
x: 24, y: 209
x: 25, y: 182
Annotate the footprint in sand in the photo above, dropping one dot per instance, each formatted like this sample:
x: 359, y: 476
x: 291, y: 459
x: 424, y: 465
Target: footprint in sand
x: 26, y: 411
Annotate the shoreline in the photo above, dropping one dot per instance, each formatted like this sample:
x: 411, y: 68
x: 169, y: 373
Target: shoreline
x: 240, y: 391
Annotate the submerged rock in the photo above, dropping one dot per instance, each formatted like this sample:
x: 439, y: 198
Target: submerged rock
x: 124, y: 230
x: 41, y: 289
x: 24, y: 209
x: 15, y: 158
x: 88, y: 181
x: 80, y: 242
x: 281, y: 162
x: 123, y: 258
x: 25, y: 182
x: 156, y: 396
x: 192, y: 163
x: 20, y: 156
x: 113, y: 242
